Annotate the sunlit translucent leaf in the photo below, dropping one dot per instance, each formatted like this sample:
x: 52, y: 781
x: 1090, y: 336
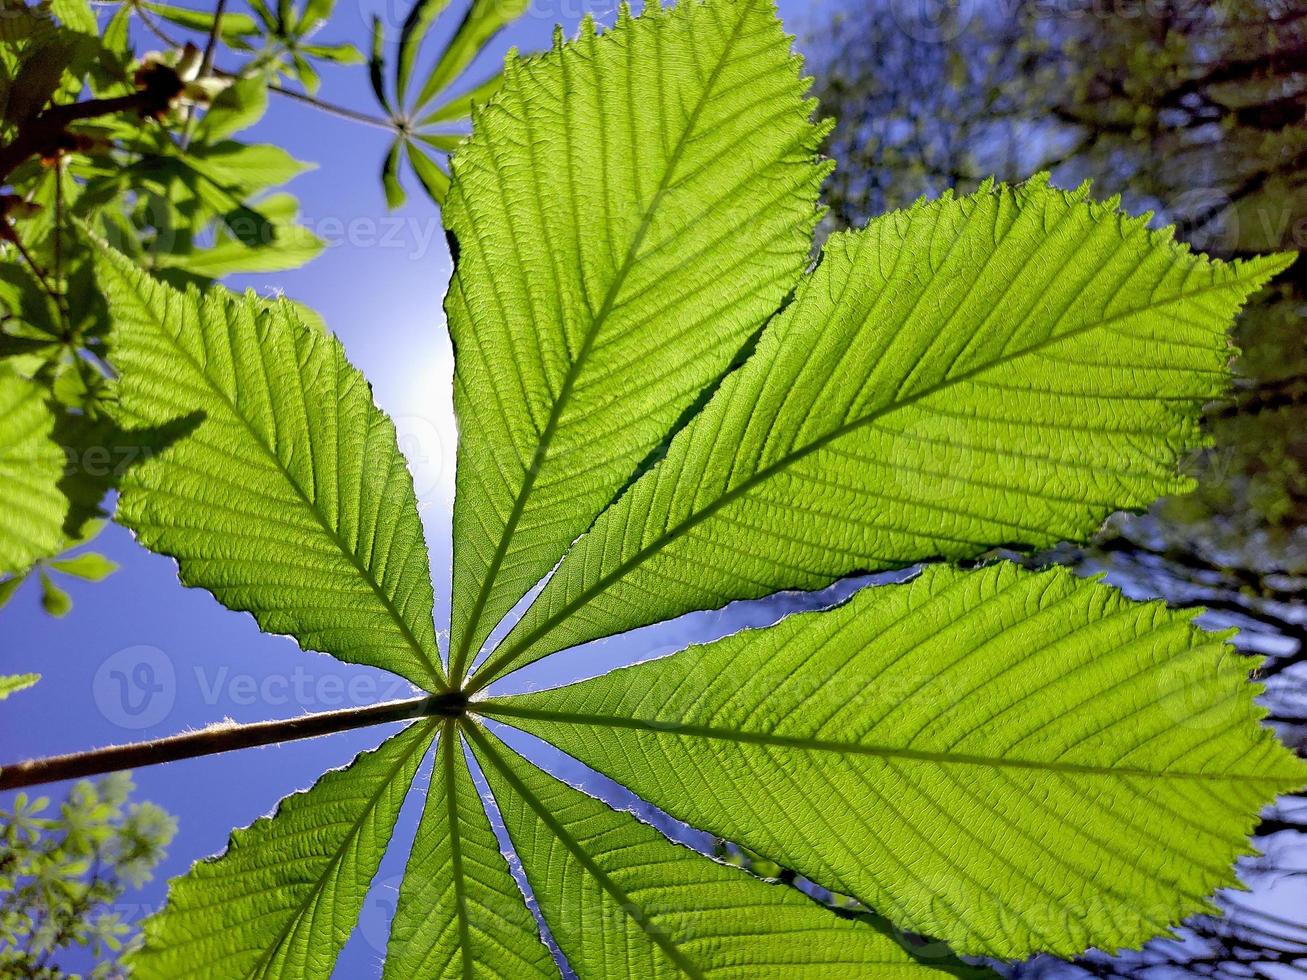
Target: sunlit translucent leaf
x: 244, y: 168
x: 1012, y: 761
x: 32, y: 509
x: 623, y: 901
x: 280, y: 902
x: 290, y: 247
x: 291, y: 499
x: 460, y: 912
x: 1007, y: 368
x: 608, y: 273
x: 237, y: 107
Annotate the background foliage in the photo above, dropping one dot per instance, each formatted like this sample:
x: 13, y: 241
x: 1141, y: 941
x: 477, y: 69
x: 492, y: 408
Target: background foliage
x: 63, y: 875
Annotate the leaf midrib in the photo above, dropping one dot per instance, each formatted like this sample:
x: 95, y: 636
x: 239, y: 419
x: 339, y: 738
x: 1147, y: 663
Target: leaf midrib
x: 493, y: 669
x: 471, y: 625
x: 456, y: 848
x: 628, y: 906
x: 497, y: 709
x: 391, y: 609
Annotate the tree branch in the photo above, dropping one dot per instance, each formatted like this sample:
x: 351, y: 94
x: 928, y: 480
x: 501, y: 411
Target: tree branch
x: 45, y: 133
x: 224, y: 738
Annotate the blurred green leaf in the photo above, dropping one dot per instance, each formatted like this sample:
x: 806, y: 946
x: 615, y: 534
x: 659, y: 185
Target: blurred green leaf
x: 238, y: 107
x: 9, y: 586
x: 316, y: 13
x: 444, y: 142
x: 484, y: 19
x: 91, y: 566
x: 340, y: 54
x: 433, y: 178
x: 423, y: 14
x: 376, y: 66
x: 13, y: 683
x: 235, y: 26
x: 395, y: 196
x: 460, y: 106
x: 54, y: 600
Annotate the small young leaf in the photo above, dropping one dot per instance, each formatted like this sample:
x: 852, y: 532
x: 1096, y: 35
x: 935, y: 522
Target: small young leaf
x: 54, y: 600
x: 90, y: 566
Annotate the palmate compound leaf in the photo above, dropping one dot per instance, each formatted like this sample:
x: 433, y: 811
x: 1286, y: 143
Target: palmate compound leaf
x: 32, y: 510
x: 623, y: 901
x: 1009, y: 367
x: 283, y: 898
x: 290, y: 499
x: 1008, y: 760
x: 629, y: 210
x: 1060, y: 347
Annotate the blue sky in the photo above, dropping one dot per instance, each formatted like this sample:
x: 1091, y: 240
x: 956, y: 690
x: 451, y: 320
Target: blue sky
x: 142, y: 657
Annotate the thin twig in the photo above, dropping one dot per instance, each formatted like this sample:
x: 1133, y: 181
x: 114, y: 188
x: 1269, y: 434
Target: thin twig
x: 10, y: 235
x: 206, y: 68
x: 61, y: 300
x: 224, y: 738
x: 336, y: 110
x: 42, y: 134
x: 329, y: 107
